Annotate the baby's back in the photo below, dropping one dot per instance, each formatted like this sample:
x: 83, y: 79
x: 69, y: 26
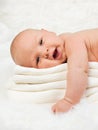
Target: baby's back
x: 91, y: 41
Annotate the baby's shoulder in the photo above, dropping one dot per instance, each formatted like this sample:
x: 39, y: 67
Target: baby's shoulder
x: 72, y: 39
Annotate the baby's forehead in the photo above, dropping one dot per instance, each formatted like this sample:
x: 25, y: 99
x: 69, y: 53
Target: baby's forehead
x: 30, y: 36
x: 31, y: 31
x: 27, y: 34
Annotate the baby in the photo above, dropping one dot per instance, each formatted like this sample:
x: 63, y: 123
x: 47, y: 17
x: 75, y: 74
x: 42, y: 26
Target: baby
x: 43, y: 49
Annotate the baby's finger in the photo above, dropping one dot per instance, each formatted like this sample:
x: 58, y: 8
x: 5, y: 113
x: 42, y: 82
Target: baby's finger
x: 53, y: 109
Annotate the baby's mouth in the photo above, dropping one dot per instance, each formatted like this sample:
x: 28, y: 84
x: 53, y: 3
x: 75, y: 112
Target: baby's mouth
x: 55, y: 53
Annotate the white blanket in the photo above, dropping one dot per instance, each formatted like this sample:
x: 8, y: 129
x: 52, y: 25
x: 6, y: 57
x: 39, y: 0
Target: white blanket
x: 47, y: 85
x: 63, y: 16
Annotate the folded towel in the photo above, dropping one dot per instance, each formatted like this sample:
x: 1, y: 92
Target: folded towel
x: 35, y: 79
x: 47, y: 85
x: 92, y: 83
x: 55, y: 69
x: 36, y: 87
x: 38, y: 79
x: 34, y: 71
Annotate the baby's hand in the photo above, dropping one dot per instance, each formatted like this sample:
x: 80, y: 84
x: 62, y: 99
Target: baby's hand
x: 62, y: 106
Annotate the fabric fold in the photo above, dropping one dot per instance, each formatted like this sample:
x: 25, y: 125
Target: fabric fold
x: 34, y: 71
x: 56, y: 69
x: 38, y: 79
x: 47, y: 85
x: 92, y: 83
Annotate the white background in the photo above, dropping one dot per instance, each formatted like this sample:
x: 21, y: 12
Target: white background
x: 55, y: 15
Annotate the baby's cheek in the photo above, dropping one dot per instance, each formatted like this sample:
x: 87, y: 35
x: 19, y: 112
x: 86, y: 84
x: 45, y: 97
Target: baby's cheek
x: 48, y: 63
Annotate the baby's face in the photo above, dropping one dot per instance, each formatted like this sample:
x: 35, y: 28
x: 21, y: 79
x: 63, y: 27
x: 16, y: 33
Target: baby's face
x: 39, y: 49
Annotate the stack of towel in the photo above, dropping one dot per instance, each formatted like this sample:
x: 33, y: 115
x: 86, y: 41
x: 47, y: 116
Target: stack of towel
x: 48, y: 85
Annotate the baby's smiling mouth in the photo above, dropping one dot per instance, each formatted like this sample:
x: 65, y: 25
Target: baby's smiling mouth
x: 55, y: 54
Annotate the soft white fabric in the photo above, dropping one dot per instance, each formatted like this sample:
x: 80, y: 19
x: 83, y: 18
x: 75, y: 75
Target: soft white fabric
x: 48, y: 87
x: 54, y: 15
x: 92, y: 82
x: 33, y: 71
x: 57, y: 73
x: 38, y: 79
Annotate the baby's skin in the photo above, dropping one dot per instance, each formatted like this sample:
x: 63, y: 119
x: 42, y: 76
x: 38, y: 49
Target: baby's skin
x: 44, y: 49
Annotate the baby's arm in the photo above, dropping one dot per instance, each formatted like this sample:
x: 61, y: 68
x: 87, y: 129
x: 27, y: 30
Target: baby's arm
x: 77, y: 74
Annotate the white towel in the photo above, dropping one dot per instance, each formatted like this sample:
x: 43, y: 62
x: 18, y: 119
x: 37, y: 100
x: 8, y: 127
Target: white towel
x: 34, y: 71
x: 46, y: 85
x: 57, y: 73
x: 38, y: 79
x: 28, y: 87
x: 56, y: 69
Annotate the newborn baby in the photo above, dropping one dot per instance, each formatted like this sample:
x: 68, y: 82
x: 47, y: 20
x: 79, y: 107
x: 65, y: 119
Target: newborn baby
x: 44, y: 49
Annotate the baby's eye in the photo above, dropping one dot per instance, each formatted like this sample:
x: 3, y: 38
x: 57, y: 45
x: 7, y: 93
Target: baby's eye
x: 41, y: 42
x: 37, y: 60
